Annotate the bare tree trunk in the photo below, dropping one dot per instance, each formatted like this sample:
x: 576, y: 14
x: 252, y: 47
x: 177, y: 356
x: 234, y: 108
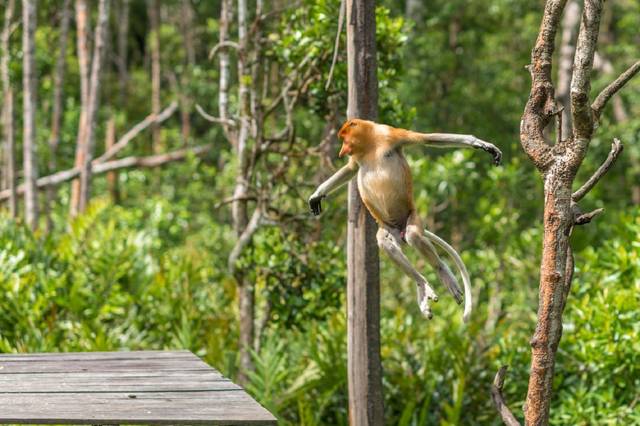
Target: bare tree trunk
x: 112, y: 177
x: 558, y: 164
x: 226, y: 13
x: 363, y: 283
x: 88, y: 127
x: 153, y: 8
x: 186, y: 24
x: 123, y: 34
x: 9, y: 161
x: 82, y: 23
x: 246, y: 289
x: 56, y: 113
x: 29, y: 104
x: 414, y: 10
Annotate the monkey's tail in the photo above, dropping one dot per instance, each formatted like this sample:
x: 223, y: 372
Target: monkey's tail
x: 466, y: 281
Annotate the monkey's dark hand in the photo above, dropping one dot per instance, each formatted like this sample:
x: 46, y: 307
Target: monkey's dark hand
x: 494, y: 151
x: 315, y: 204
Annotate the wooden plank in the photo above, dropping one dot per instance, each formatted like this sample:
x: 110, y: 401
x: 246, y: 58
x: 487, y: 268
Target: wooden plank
x: 151, y: 387
x: 88, y: 356
x: 229, y: 408
x: 95, y: 365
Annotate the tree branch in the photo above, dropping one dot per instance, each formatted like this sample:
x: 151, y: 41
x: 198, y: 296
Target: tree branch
x: 212, y: 119
x: 136, y: 130
x: 124, y: 163
x: 496, y: 395
x: 541, y: 104
x: 601, y: 100
x: 343, y: 6
x: 616, y: 149
x: 582, y: 67
x: 227, y: 44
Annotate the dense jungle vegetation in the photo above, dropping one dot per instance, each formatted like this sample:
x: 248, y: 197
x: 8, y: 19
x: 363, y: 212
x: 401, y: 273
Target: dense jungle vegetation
x: 145, y: 264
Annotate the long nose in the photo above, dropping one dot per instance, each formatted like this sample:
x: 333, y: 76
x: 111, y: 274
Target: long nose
x: 345, y: 150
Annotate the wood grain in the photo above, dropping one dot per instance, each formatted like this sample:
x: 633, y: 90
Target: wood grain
x: 145, y: 387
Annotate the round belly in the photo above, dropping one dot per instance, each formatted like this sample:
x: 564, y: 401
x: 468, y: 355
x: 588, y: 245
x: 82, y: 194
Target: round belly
x: 387, y: 198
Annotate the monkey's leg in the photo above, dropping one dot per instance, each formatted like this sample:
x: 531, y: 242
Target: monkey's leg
x: 390, y: 243
x: 417, y: 240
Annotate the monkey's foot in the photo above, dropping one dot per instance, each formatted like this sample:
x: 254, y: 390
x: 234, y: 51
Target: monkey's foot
x: 425, y: 309
x: 426, y: 294
x: 450, y: 281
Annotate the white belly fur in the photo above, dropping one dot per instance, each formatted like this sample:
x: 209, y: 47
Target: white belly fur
x: 384, y: 189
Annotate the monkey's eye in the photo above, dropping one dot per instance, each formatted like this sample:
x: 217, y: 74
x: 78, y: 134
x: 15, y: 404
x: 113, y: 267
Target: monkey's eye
x: 352, y: 124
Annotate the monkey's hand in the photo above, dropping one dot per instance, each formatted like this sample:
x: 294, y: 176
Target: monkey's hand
x: 491, y: 149
x: 315, y: 204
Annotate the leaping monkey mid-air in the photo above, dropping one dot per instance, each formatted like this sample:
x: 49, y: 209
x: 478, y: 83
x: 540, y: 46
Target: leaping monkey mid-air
x: 386, y: 188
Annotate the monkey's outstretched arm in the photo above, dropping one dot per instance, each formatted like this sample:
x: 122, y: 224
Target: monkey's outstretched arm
x: 338, y: 179
x: 450, y: 140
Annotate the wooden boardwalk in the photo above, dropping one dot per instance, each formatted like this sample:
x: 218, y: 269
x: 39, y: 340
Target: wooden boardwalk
x: 147, y: 387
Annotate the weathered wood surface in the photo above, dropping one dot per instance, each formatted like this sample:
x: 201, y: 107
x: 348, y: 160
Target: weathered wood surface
x: 147, y: 387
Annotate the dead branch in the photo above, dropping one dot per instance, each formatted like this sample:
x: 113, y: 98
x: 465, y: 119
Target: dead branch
x: 136, y: 130
x: 227, y: 44
x: 496, y: 395
x: 541, y: 104
x: 616, y: 149
x: 601, y: 100
x: 587, y: 217
x: 343, y: 7
x: 124, y: 163
x: 582, y: 68
x: 212, y: 119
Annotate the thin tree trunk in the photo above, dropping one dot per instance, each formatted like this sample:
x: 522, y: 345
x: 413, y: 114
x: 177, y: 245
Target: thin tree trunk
x: 223, y: 85
x: 56, y: 113
x: 246, y: 289
x: 9, y: 162
x: 186, y: 23
x: 89, y: 125
x: 29, y: 104
x: 112, y: 177
x: 153, y: 7
x: 558, y: 220
x: 363, y: 282
x: 123, y: 34
x: 10, y: 153
x: 82, y: 23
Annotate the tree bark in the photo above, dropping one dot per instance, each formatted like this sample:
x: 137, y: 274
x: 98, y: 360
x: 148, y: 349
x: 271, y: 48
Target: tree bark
x: 56, y: 111
x: 8, y: 159
x: 558, y: 164
x: 93, y: 102
x: 570, y: 23
x: 82, y: 37
x: 122, y: 40
x: 153, y: 7
x: 112, y: 177
x: 246, y: 290
x: 29, y: 104
x: 363, y: 283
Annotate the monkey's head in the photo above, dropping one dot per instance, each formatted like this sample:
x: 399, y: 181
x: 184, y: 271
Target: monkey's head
x: 356, y: 135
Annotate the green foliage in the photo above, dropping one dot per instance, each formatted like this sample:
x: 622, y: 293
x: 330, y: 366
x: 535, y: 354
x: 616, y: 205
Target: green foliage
x: 151, y: 271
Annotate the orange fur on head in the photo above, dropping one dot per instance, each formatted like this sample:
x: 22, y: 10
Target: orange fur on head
x: 356, y: 135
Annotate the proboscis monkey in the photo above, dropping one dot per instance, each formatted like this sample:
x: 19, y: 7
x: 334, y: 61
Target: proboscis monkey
x: 386, y: 188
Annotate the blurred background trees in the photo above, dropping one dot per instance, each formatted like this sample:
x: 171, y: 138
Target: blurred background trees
x: 147, y: 263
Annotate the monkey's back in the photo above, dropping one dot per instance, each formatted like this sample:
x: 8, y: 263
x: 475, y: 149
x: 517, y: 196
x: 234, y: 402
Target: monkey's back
x: 386, y: 188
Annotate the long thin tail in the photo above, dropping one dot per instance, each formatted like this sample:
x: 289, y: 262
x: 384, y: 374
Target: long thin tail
x: 466, y: 281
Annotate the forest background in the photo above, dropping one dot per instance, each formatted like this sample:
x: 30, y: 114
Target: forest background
x: 196, y: 198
